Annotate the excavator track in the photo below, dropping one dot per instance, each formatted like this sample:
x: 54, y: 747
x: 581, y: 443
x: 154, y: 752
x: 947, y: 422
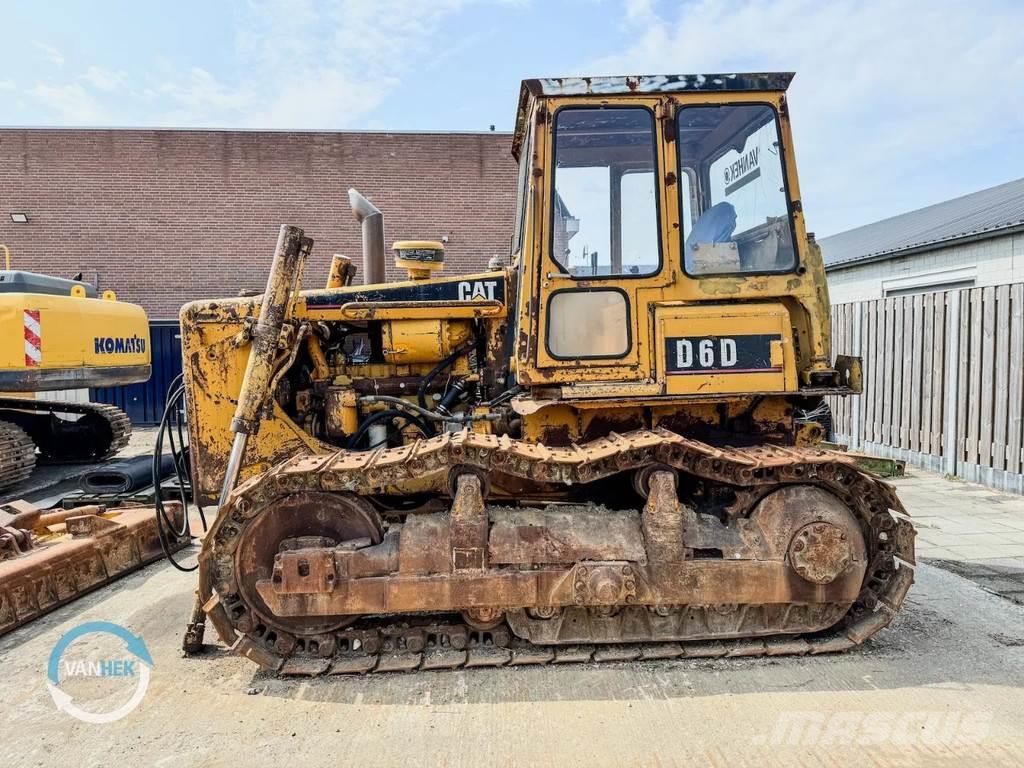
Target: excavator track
x: 409, y: 642
x: 17, y: 455
x: 102, y: 431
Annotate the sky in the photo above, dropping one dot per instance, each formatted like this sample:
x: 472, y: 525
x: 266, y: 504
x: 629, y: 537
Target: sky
x: 896, y: 104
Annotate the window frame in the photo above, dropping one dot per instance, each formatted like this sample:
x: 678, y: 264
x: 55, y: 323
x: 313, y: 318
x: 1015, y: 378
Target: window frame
x: 694, y: 183
x: 588, y: 289
x: 553, y: 193
x: 783, y: 158
x: 523, y: 173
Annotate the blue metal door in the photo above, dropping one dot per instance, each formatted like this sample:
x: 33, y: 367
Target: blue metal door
x: 144, y: 403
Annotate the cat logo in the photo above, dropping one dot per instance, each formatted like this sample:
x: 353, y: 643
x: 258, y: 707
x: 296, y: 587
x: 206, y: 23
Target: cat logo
x: 477, y: 289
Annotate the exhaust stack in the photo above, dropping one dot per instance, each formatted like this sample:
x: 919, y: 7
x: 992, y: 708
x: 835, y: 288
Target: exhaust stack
x: 372, y: 221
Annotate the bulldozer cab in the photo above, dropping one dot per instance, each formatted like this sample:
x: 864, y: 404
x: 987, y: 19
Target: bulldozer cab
x: 661, y: 246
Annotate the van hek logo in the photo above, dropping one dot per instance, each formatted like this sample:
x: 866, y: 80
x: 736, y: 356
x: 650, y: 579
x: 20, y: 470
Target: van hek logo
x: 742, y: 171
x: 90, y: 679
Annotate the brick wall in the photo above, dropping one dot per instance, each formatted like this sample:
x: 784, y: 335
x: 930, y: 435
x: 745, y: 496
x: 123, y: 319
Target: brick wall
x: 166, y: 216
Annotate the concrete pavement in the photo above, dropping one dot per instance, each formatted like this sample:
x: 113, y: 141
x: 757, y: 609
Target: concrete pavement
x: 971, y: 530
x: 941, y: 686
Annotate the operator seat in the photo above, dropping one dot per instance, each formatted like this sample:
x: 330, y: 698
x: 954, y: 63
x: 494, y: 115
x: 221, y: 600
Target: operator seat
x: 715, y: 225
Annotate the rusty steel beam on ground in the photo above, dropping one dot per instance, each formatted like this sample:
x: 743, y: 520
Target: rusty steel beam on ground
x: 95, y: 551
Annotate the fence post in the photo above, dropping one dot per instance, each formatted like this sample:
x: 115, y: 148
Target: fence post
x: 950, y: 439
x: 856, y: 352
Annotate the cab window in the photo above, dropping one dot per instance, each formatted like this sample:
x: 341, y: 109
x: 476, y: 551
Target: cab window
x: 604, y: 208
x: 523, y: 185
x: 588, y: 323
x: 736, y: 213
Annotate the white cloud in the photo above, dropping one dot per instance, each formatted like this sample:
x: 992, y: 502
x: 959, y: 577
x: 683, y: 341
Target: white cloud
x: 105, y: 79
x: 310, y: 65
x: 71, y: 102
x: 81, y: 101
x: 888, y: 98
x: 7, y: 85
x: 291, y: 64
x: 639, y: 9
x: 200, y: 93
x: 50, y: 53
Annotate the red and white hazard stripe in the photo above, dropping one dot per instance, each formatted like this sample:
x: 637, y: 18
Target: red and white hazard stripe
x: 33, y: 338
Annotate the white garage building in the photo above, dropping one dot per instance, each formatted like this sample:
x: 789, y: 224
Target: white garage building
x: 971, y: 241
x: 933, y: 303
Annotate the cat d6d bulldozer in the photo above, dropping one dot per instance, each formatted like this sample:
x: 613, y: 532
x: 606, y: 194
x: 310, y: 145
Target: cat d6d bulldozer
x: 596, y: 451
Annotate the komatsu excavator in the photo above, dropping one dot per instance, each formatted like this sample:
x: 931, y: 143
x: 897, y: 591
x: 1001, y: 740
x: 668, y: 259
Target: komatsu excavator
x: 62, y: 334
x: 592, y: 453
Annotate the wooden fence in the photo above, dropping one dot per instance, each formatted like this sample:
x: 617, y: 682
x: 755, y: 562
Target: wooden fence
x: 943, y: 381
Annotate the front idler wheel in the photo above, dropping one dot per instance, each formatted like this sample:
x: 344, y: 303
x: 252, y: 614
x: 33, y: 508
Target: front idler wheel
x: 299, y: 519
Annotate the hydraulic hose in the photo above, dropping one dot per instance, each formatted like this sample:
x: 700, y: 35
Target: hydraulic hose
x: 170, y: 424
x: 421, y: 393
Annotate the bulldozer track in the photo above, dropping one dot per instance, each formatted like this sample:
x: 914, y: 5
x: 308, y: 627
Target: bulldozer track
x: 423, y: 643
x: 116, y: 420
x: 17, y: 455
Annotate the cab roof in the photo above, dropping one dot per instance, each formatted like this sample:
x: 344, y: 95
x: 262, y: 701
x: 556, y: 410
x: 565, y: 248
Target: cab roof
x: 546, y: 87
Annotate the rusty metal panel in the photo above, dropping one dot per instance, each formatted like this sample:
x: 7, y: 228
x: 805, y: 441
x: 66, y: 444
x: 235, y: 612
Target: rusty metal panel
x: 95, y: 551
x: 425, y: 545
x: 536, y: 537
x: 638, y: 84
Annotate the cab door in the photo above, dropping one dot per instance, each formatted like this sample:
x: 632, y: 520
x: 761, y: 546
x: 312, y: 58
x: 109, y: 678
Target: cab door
x: 602, y: 241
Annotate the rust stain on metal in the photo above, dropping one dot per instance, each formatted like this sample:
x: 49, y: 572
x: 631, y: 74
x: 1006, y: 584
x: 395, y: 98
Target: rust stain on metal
x: 722, y: 286
x: 92, y: 551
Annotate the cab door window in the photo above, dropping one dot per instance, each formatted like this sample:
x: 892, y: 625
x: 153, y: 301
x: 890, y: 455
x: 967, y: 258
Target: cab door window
x: 586, y: 322
x: 604, y: 208
x: 743, y: 221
